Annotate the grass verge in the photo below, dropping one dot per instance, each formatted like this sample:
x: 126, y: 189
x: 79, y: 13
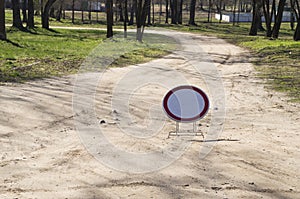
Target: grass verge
x: 278, y: 61
x: 43, y: 53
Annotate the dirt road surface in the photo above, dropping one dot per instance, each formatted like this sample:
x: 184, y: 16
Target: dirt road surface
x: 257, y: 155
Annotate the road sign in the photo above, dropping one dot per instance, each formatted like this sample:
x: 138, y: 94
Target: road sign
x: 186, y: 104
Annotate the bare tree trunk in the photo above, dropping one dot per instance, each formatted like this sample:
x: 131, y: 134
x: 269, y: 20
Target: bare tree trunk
x: 201, y: 5
x: 153, y: 12
x: 149, y: 13
x: 59, y: 11
x: 90, y: 12
x: 209, y: 11
x: 109, y: 18
x: 297, y: 13
x: 160, y: 10
x: 255, y: 18
x: 30, y: 21
x: 139, y: 20
x: 239, y: 11
x: 17, y: 22
x: 192, y: 12
x: 180, y: 12
x: 116, y: 10
x: 142, y: 12
x: 97, y: 12
x: 219, y: 9
x: 268, y: 14
x: 292, y: 18
x: 276, y: 28
x: 82, y: 15
x: 73, y: 11
x: 234, y: 12
x: 45, y: 16
x: 174, y: 11
x: 126, y: 18
x: 167, y: 11
x: 297, y: 32
x: 24, y: 11
x: 133, y: 9
x: 2, y: 20
x: 121, y: 11
x: 42, y: 7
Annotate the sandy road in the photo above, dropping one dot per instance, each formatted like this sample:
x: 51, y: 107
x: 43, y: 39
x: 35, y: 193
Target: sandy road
x: 257, y: 155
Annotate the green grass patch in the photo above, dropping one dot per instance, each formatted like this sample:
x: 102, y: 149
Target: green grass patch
x: 154, y: 46
x: 43, y: 53
x: 135, y: 56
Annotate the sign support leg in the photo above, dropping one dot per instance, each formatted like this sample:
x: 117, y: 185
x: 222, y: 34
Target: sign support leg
x: 177, y: 128
x: 194, y: 128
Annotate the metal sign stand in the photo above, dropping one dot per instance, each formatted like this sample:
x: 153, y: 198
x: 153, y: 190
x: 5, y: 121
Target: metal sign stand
x: 177, y: 128
x: 195, y: 130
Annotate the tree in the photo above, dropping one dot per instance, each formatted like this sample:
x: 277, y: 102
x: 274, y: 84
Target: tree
x: 201, y: 5
x: 219, y: 9
x: 120, y: 9
x: 2, y: 20
x: 45, y: 14
x: 179, y: 17
x: 109, y: 17
x: 234, y: 12
x: 269, y: 12
x: 174, y: 11
x: 73, y: 11
x: 297, y: 14
x: 149, y: 13
x: 160, y: 11
x: 292, y: 17
x: 141, y: 15
x: 90, y: 12
x: 24, y: 10
x: 153, y: 12
x: 126, y: 17
x: 167, y: 11
x: 192, y: 12
x: 256, y: 17
x: 209, y: 10
x: 132, y: 11
x: 17, y: 22
x: 278, y: 19
x: 59, y: 11
x: 30, y: 20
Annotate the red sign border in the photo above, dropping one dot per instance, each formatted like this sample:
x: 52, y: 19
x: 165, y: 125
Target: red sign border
x: 193, y: 119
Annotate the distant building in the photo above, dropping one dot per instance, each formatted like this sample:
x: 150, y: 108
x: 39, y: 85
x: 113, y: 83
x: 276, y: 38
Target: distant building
x: 247, y: 17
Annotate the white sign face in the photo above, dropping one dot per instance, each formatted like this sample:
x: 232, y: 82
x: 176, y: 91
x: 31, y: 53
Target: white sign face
x: 186, y: 103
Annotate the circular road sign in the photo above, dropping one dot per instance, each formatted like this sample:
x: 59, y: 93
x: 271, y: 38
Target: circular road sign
x: 186, y: 104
